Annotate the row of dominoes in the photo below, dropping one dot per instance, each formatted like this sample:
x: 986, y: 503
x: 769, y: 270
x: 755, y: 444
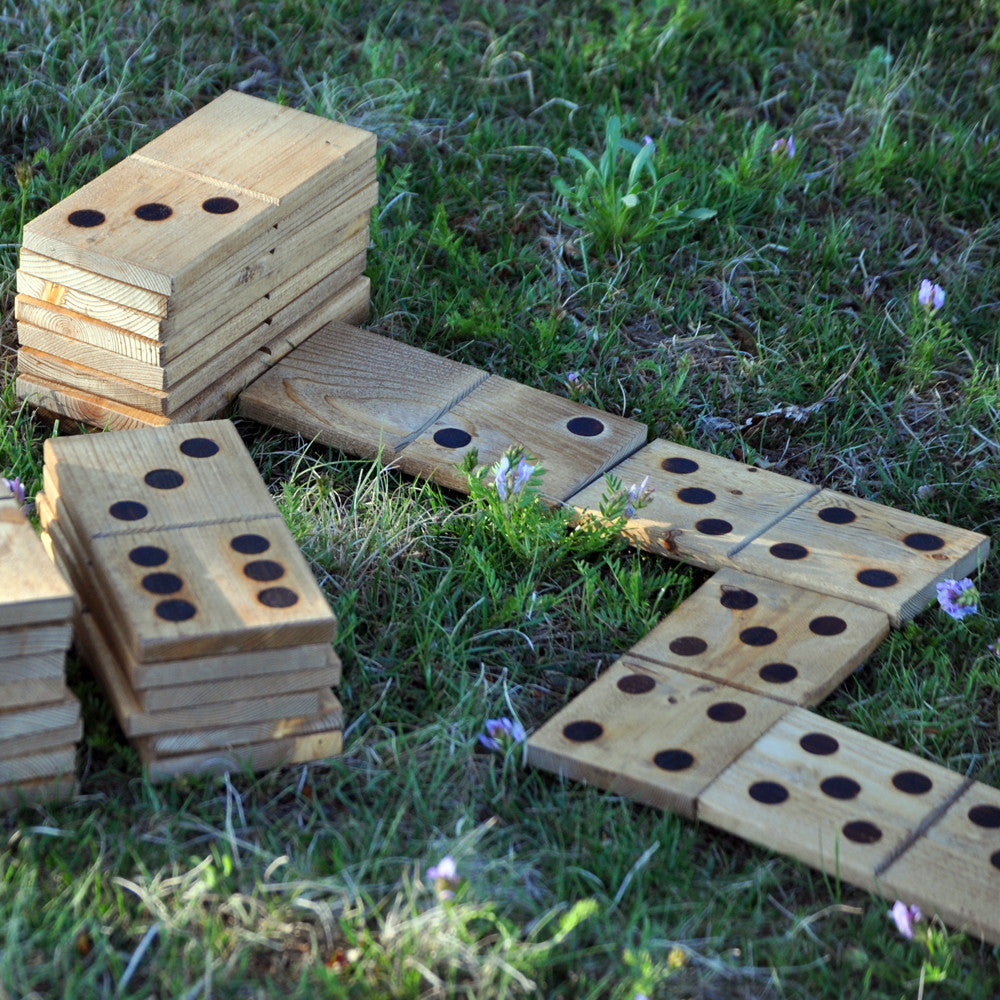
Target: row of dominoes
x: 705, y: 715
x: 200, y: 616
x: 39, y: 716
x: 158, y: 290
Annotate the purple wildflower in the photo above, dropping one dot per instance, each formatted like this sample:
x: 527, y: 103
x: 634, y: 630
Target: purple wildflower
x: 500, y: 471
x: 572, y: 377
x: 930, y: 296
x: 16, y: 488
x: 638, y: 496
x: 647, y: 140
x: 905, y: 916
x: 523, y: 474
x: 445, y: 877
x: 784, y: 147
x: 500, y: 733
x: 958, y: 598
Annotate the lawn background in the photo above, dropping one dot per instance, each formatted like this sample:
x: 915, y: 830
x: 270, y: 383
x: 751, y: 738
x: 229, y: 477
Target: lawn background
x: 312, y: 881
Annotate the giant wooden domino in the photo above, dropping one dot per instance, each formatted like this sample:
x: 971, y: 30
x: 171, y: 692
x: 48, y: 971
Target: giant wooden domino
x: 200, y: 616
x: 39, y: 717
x: 707, y: 715
x: 158, y: 290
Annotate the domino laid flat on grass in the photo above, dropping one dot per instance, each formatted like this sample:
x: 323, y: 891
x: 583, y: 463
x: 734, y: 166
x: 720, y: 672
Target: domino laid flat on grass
x: 863, y: 552
x: 703, y: 507
x: 572, y: 443
x: 652, y: 733
x: 358, y: 391
x: 771, y: 638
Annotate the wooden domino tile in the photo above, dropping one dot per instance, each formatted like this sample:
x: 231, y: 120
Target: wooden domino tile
x: 35, y: 640
x: 953, y: 868
x: 651, y: 733
x: 358, y: 391
x: 137, y: 481
x: 41, y: 594
x: 835, y: 799
x: 703, y: 507
x: 863, y: 552
x: 767, y: 637
x: 573, y: 443
x: 36, y: 728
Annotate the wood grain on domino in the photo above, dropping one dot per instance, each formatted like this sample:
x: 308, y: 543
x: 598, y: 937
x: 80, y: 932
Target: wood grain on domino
x: 834, y: 798
x: 651, y: 733
x: 953, y: 868
x: 767, y: 637
x: 358, y: 391
x: 863, y: 552
x: 703, y: 506
x: 571, y: 442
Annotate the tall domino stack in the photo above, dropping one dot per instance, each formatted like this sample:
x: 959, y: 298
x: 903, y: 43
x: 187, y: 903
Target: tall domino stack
x: 158, y: 290
x: 39, y: 716
x: 200, y: 616
x: 708, y: 714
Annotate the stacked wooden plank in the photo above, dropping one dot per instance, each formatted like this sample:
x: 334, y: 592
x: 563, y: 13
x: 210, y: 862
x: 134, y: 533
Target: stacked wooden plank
x: 39, y: 717
x: 200, y: 615
x: 161, y: 288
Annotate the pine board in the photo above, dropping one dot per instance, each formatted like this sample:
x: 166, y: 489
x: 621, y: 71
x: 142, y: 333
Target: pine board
x: 41, y: 740
x: 357, y: 391
x: 703, y: 508
x: 767, y: 637
x: 41, y: 595
x: 33, y: 667
x: 57, y: 400
x: 953, y: 869
x: 571, y: 442
x: 35, y: 640
x: 835, y: 799
x: 863, y: 552
x: 203, y: 159
x: 19, y: 724
x: 651, y: 733
x: 51, y: 763
x: 252, y: 757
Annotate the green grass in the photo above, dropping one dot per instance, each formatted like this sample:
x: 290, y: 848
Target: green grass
x: 310, y: 881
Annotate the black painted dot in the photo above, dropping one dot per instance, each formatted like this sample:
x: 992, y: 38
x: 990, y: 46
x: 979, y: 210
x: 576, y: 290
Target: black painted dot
x: 681, y: 466
x: 726, y: 711
x: 736, y: 599
x: 153, y: 211
x: 778, y: 673
x: 713, y: 526
x: 924, y: 542
x: 176, y: 610
x: 250, y: 545
x: 827, y: 625
x: 673, y: 760
x: 759, y: 635
x: 128, y: 510
x: 819, y: 744
x: 162, y: 583
x: 452, y: 437
x: 163, y: 479
x: 695, y: 495
x: 583, y: 731
x: 688, y: 645
x: 788, y: 550
x: 862, y: 832
x: 220, y: 206
x: 770, y: 793
x: 840, y: 787
x: 636, y: 684
x: 85, y: 218
x: 277, y: 597
x: 995, y: 860
x: 148, y: 555
x: 199, y: 448
x: 912, y: 782
x: 585, y: 427
x: 985, y: 816
x: 877, y: 578
x: 264, y: 570
x: 837, y: 515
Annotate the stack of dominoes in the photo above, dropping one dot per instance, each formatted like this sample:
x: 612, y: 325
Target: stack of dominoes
x: 200, y: 616
x: 39, y: 717
x: 156, y: 292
